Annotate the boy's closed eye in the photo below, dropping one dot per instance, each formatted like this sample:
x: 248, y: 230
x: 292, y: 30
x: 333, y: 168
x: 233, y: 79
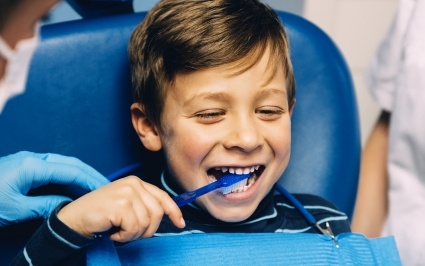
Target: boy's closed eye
x: 270, y: 112
x: 210, y: 116
x: 213, y: 116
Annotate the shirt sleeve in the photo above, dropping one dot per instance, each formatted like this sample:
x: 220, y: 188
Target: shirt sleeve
x: 382, y: 74
x: 51, y: 243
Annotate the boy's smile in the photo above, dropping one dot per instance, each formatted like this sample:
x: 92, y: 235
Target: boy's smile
x: 241, y: 186
x: 220, y: 120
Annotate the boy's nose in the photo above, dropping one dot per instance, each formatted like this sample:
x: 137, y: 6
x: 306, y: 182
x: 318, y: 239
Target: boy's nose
x: 244, y: 136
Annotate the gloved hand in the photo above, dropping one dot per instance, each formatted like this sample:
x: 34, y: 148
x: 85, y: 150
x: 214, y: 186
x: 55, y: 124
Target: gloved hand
x: 23, y: 171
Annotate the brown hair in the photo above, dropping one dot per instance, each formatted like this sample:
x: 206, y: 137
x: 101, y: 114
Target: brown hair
x: 180, y: 36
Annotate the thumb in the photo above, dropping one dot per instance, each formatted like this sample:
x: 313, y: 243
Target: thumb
x: 42, y: 206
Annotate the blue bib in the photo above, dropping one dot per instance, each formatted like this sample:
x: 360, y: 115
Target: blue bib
x: 252, y: 248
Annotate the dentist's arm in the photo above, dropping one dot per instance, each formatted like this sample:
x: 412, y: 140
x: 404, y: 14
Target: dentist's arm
x: 372, y: 204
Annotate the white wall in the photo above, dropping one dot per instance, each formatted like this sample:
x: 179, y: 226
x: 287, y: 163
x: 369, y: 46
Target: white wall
x: 357, y: 27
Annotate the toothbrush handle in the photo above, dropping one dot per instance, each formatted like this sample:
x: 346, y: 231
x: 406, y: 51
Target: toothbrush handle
x: 185, y: 198
x: 189, y: 196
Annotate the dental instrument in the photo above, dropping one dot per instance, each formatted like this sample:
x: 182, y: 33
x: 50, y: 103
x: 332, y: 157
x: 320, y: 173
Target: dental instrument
x: 306, y: 214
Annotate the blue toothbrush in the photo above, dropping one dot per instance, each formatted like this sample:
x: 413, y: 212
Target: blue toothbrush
x: 224, y: 182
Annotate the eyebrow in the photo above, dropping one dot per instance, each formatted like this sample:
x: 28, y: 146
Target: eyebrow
x: 220, y: 96
x: 271, y: 91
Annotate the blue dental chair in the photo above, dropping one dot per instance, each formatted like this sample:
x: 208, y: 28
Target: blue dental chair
x: 78, y: 97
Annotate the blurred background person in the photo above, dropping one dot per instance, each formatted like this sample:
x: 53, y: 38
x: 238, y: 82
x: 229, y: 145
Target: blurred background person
x: 391, y: 196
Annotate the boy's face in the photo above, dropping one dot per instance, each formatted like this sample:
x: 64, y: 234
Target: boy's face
x: 215, y: 119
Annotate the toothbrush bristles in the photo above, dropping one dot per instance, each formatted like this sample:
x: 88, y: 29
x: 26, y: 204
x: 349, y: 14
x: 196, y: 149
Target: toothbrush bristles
x: 228, y: 189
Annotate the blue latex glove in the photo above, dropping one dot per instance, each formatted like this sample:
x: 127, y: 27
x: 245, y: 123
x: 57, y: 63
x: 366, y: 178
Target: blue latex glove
x: 23, y: 171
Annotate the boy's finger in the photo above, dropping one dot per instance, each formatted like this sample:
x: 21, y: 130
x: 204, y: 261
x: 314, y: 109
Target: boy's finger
x: 155, y: 214
x: 131, y: 226
x: 173, y: 211
x: 168, y: 205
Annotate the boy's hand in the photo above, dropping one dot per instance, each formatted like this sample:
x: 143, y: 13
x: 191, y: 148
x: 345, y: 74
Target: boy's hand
x: 133, y: 206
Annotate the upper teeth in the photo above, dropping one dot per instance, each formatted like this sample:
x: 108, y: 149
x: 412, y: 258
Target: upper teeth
x: 238, y: 171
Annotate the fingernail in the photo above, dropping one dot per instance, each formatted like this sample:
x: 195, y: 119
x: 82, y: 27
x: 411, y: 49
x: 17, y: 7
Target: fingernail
x: 182, y: 222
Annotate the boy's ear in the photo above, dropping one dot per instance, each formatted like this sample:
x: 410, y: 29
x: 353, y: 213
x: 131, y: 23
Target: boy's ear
x: 146, y: 130
x: 291, y: 107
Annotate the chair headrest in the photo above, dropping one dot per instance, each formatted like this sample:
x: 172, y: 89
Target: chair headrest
x: 101, y: 8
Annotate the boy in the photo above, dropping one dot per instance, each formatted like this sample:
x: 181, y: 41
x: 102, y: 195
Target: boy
x: 214, y: 91
x: 214, y: 88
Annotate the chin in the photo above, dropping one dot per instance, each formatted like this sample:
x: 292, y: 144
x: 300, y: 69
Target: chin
x: 232, y: 215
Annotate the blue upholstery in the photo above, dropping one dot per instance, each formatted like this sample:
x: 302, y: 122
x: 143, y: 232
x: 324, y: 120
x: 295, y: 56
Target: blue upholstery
x: 326, y: 145
x: 78, y: 96
x: 101, y: 8
x: 78, y: 104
